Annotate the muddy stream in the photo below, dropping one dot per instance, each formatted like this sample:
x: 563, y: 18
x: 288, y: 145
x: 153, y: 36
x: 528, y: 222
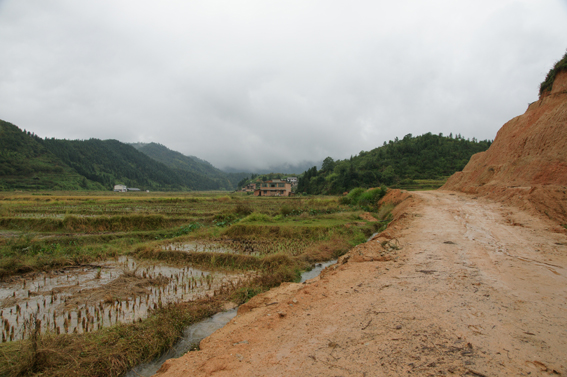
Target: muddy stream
x: 193, y: 334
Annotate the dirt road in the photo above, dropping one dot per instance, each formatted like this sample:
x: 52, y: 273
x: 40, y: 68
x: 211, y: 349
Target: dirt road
x: 465, y: 287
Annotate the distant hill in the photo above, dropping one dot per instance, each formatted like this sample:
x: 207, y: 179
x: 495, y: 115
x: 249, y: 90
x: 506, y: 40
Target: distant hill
x: 283, y: 168
x: 395, y: 163
x: 26, y: 164
x: 191, y: 166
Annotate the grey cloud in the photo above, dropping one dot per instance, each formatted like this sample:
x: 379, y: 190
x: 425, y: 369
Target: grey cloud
x: 250, y: 84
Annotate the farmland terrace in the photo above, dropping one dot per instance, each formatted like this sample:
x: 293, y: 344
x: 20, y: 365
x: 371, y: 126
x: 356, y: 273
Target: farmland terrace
x: 94, y: 284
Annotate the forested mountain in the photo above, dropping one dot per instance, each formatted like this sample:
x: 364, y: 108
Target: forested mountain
x: 422, y: 157
x: 25, y: 164
x: 29, y: 162
x: 110, y: 162
x: 200, y: 170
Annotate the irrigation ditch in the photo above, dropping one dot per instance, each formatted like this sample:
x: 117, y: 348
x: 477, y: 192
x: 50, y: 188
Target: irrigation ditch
x: 193, y: 334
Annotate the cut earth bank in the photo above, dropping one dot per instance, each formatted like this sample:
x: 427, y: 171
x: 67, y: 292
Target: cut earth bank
x: 457, y: 285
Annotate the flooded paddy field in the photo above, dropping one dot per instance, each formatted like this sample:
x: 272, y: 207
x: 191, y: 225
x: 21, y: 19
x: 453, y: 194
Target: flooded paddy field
x: 88, y: 298
x: 133, y: 270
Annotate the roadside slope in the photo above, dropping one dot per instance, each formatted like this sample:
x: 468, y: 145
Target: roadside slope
x: 526, y: 165
x: 456, y: 285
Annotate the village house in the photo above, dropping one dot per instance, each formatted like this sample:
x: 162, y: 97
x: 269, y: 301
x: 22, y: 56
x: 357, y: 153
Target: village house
x: 274, y: 187
x: 292, y: 180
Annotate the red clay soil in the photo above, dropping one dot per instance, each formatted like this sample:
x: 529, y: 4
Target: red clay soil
x: 527, y: 164
x: 458, y: 285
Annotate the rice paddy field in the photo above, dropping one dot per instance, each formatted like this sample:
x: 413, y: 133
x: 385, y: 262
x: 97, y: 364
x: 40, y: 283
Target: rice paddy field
x: 92, y: 284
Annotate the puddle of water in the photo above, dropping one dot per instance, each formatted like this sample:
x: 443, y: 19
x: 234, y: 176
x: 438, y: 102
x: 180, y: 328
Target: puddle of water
x: 192, y: 336
x: 316, y: 270
x: 372, y: 236
x: 89, y: 298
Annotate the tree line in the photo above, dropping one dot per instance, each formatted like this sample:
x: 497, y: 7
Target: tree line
x: 427, y: 156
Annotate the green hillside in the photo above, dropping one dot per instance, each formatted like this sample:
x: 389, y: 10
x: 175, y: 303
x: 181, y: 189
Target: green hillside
x: 110, y: 162
x: 399, y: 163
x: 197, y: 168
x: 25, y: 164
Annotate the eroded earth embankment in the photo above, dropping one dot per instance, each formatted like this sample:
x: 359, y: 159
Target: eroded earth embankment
x: 457, y: 285
x: 527, y: 164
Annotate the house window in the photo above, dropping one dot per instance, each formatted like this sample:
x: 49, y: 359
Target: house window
x: 264, y: 185
x: 273, y: 185
x: 281, y: 185
x: 265, y: 192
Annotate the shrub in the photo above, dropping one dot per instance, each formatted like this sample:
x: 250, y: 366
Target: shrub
x: 285, y: 210
x: 355, y: 194
x: 359, y: 196
x: 547, y: 84
x: 243, y: 209
x: 345, y: 200
x: 371, y: 197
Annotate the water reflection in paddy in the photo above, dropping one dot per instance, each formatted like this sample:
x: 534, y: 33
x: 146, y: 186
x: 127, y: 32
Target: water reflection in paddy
x: 200, y: 246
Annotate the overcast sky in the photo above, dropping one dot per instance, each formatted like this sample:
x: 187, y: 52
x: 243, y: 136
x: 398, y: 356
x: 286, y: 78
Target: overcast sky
x: 254, y: 83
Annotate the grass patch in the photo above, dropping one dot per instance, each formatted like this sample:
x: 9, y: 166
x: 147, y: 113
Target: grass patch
x: 299, y: 230
x: 257, y: 217
x: 385, y: 211
x: 27, y: 253
x: 91, y: 224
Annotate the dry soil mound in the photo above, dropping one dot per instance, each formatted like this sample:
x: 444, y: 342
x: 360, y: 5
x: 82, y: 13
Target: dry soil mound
x: 527, y: 163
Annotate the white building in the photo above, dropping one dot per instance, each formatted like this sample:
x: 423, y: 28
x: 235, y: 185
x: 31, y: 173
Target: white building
x: 120, y: 188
